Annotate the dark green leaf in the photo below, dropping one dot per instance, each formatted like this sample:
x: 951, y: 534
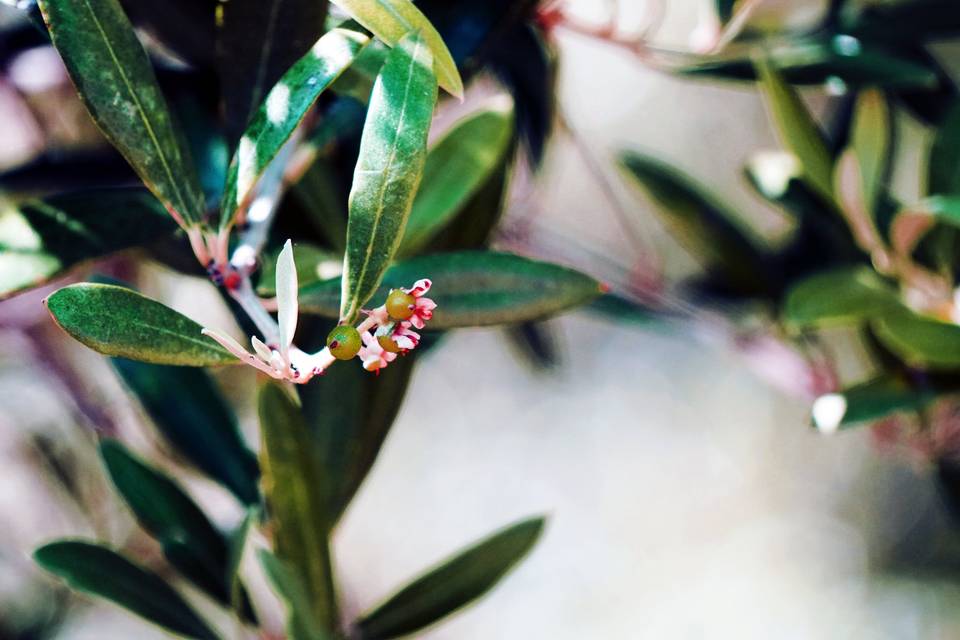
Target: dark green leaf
x: 815, y: 61
x: 296, y: 490
x: 282, y: 111
x: 116, y: 321
x: 452, y: 585
x: 919, y: 341
x: 350, y: 415
x: 389, y: 169
x: 190, y: 543
x: 701, y: 223
x: 845, y: 296
x: 392, y: 20
x: 457, y: 167
x: 99, y: 571
x: 287, y: 583
x: 199, y: 424
x: 943, y: 170
x: 475, y: 288
x: 116, y: 83
x: 866, y: 403
x: 41, y: 239
x: 798, y: 131
x: 257, y: 41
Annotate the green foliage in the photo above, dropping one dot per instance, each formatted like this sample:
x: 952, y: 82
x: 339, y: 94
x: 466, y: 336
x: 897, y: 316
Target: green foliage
x: 282, y: 111
x: 453, y: 584
x: 116, y: 82
x: 475, y: 288
x: 845, y: 296
x: 116, y: 321
x: 943, y: 167
x: 389, y: 169
x: 41, y: 239
x: 918, y: 340
x: 392, y: 20
x: 101, y: 572
x: 870, y: 401
x: 200, y: 424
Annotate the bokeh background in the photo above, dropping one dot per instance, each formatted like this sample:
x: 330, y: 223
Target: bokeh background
x: 688, y: 496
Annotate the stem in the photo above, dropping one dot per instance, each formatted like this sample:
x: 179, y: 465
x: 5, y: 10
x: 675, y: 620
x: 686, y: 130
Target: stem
x: 248, y: 300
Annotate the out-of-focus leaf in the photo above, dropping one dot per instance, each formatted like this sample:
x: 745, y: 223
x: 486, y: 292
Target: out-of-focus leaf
x: 185, y: 27
x: 301, y: 622
x: 41, y: 239
x: 724, y: 9
x: 389, y: 169
x: 526, y: 63
x: 536, y: 344
x: 919, y: 341
x: 282, y: 111
x: 350, y: 415
x: 870, y: 139
x: 297, y: 488
x: 310, y: 260
x: 798, y: 131
x: 702, y: 224
x: 117, y: 84
x: 196, y: 111
x: 453, y: 584
x: 817, y: 60
x: 844, y: 296
x: 943, y: 168
x: 190, y: 543
x: 324, y: 206
x: 866, y: 403
x: 907, y: 21
x: 392, y: 20
x: 475, y: 288
x: 99, y: 571
x: 116, y: 321
x: 457, y: 167
x: 64, y: 171
x: 199, y: 423
x: 257, y: 41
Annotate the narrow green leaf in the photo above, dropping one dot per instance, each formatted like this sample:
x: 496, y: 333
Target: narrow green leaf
x: 475, y: 288
x: 189, y: 541
x: 943, y: 167
x: 919, y: 341
x: 872, y: 128
x: 391, y: 20
x: 116, y: 83
x: 350, y: 416
x: 389, y: 168
x: 867, y: 402
x: 704, y: 225
x: 116, y: 321
x: 99, y: 571
x: 200, y: 424
x: 457, y: 167
x: 798, y: 131
x: 296, y: 490
x: 42, y: 239
x: 256, y: 42
x: 845, y: 296
x: 302, y: 624
x: 455, y: 583
x: 282, y: 111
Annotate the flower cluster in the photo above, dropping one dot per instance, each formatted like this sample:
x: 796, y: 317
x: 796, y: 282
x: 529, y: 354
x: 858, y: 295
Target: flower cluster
x: 385, y: 332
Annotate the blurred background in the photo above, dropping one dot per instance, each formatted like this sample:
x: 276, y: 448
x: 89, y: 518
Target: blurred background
x: 688, y: 495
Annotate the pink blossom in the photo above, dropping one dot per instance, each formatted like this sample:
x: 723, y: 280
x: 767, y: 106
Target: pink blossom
x: 373, y: 355
x: 422, y: 307
x: 404, y: 337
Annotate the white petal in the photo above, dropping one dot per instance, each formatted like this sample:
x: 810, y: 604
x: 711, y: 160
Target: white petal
x: 262, y: 350
x: 286, y: 296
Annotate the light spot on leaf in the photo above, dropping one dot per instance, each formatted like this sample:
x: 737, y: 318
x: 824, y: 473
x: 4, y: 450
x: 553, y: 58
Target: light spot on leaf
x: 278, y: 104
x: 828, y: 412
x: 246, y: 167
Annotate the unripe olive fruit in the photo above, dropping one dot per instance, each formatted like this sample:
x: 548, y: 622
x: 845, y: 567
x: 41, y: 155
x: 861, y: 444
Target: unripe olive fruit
x: 343, y: 342
x: 400, y: 304
x: 388, y: 344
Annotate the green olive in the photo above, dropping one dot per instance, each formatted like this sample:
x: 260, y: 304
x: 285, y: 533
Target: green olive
x: 388, y: 344
x: 400, y: 305
x: 343, y: 342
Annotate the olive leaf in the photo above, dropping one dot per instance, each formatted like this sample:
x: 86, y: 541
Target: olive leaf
x: 391, y: 20
x: 117, y: 85
x: 282, y: 111
x: 389, y: 169
x: 116, y: 321
x: 844, y: 296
